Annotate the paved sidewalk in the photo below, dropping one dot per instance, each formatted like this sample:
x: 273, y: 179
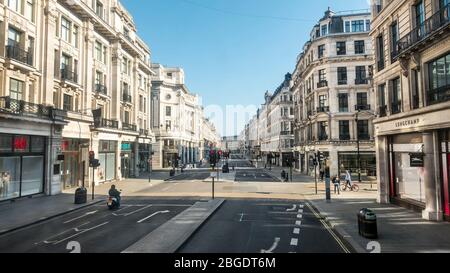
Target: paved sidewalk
x: 296, y: 176
x: 28, y: 211
x: 400, y: 230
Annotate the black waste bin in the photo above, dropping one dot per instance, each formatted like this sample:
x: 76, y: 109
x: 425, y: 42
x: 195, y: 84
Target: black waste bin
x: 172, y: 173
x: 367, y: 224
x: 81, y: 196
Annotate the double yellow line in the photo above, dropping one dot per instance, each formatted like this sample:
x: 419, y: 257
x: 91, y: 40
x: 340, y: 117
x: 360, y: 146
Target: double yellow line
x: 328, y: 228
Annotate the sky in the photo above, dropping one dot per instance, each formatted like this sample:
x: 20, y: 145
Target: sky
x: 232, y: 51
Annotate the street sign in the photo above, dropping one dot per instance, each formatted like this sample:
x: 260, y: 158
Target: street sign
x: 416, y: 160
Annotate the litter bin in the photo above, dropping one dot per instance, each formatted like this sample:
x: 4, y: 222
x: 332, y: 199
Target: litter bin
x: 367, y: 224
x: 81, y: 196
x: 172, y: 173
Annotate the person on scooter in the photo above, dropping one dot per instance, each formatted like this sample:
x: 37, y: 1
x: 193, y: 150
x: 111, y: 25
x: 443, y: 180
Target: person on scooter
x: 115, y: 194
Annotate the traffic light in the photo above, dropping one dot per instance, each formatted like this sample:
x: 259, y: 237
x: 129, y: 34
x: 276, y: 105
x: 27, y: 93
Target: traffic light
x: 212, y: 157
x: 93, y: 163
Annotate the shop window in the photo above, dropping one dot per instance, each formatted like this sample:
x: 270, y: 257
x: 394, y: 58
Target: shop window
x: 37, y: 144
x: 32, y: 175
x: 5, y: 143
x: 9, y: 177
x: 21, y: 144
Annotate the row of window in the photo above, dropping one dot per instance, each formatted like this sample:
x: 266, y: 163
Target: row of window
x: 344, y: 131
x: 359, y: 25
x: 24, y: 7
x: 343, y: 98
x: 342, y: 79
x: 341, y: 48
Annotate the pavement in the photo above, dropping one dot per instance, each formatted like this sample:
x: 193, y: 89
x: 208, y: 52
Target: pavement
x: 400, y: 230
x: 42, y: 208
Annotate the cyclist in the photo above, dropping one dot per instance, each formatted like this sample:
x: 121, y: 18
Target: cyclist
x: 348, y: 179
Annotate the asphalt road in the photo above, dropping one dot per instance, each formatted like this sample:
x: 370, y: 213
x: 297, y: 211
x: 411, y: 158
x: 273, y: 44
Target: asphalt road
x: 96, y: 229
x: 254, y: 175
x: 263, y: 226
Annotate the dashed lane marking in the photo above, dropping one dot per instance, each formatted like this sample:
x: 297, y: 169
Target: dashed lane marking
x: 294, y: 242
x: 299, y: 216
x: 296, y: 231
x: 298, y: 223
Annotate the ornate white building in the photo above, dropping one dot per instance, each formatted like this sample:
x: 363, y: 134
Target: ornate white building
x: 334, y: 100
x: 61, y: 60
x: 177, y: 119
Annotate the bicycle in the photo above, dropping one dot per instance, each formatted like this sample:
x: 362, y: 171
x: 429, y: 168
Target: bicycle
x: 354, y: 187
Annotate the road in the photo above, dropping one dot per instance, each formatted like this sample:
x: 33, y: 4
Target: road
x: 254, y: 175
x: 95, y: 228
x: 263, y: 226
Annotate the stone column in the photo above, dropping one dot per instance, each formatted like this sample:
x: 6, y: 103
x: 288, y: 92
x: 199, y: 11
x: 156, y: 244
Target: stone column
x: 383, y: 179
x: 431, y: 210
x: 51, y: 15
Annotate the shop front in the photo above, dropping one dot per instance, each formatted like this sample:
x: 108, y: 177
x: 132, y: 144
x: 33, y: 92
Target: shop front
x: 145, y: 152
x: 407, y: 173
x: 74, y: 151
x: 127, y: 159
x: 445, y: 171
x: 107, y: 158
x: 22, y: 165
x: 349, y: 161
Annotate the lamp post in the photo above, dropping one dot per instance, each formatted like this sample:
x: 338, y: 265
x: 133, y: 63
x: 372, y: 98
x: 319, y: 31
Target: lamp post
x: 358, y: 144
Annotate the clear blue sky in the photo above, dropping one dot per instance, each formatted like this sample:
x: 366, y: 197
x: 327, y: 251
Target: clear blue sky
x: 232, y: 51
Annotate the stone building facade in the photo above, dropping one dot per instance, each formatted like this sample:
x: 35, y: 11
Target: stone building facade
x: 60, y: 61
x: 334, y: 100
x: 412, y: 82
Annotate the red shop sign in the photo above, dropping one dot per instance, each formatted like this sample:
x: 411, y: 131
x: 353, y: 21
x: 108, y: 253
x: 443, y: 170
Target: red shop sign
x: 20, y: 143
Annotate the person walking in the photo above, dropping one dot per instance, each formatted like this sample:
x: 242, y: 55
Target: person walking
x: 337, y: 185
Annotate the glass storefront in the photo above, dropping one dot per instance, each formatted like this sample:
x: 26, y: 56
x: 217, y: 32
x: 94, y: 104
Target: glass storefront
x: 445, y: 157
x: 127, y: 159
x: 144, y: 156
x: 408, y: 181
x: 22, y: 160
x: 107, y: 159
x: 349, y: 161
x: 73, y: 162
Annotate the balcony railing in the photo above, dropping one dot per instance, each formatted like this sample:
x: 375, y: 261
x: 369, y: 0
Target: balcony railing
x: 362, y: 107
x: 68, y: 75
x: 19, y: 54
x: 323, y: 137
x: 143, y: 132
x: 323, y: 109
x: 438, y: 95
x: 363, y: 137
x: 322, y: 84
x: 396, y: 107
x: 129, y: 127
x: 126, y: 97
x: 106, y: 123
x: 361, y: 81
x: 420, y: 33
x: 23, y: 108
x: 342, y: 82
x: 286, y: 133
x: 101, y: 89
x: 382, y: 111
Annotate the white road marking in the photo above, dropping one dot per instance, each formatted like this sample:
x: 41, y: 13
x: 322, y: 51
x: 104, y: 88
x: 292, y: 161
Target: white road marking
x: 302, y: 206
x: 242, y: 216
x: 299, y: 216
x: 294, y: 242
x: 293, y: 208
x: 300, y: 211
x: 133, y: 212
x: 79, y: 232
x: 274, y: 246
x: 79, y: 217
x: 298, y: 223
x: 296, y: 231
x: 150, y: 216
